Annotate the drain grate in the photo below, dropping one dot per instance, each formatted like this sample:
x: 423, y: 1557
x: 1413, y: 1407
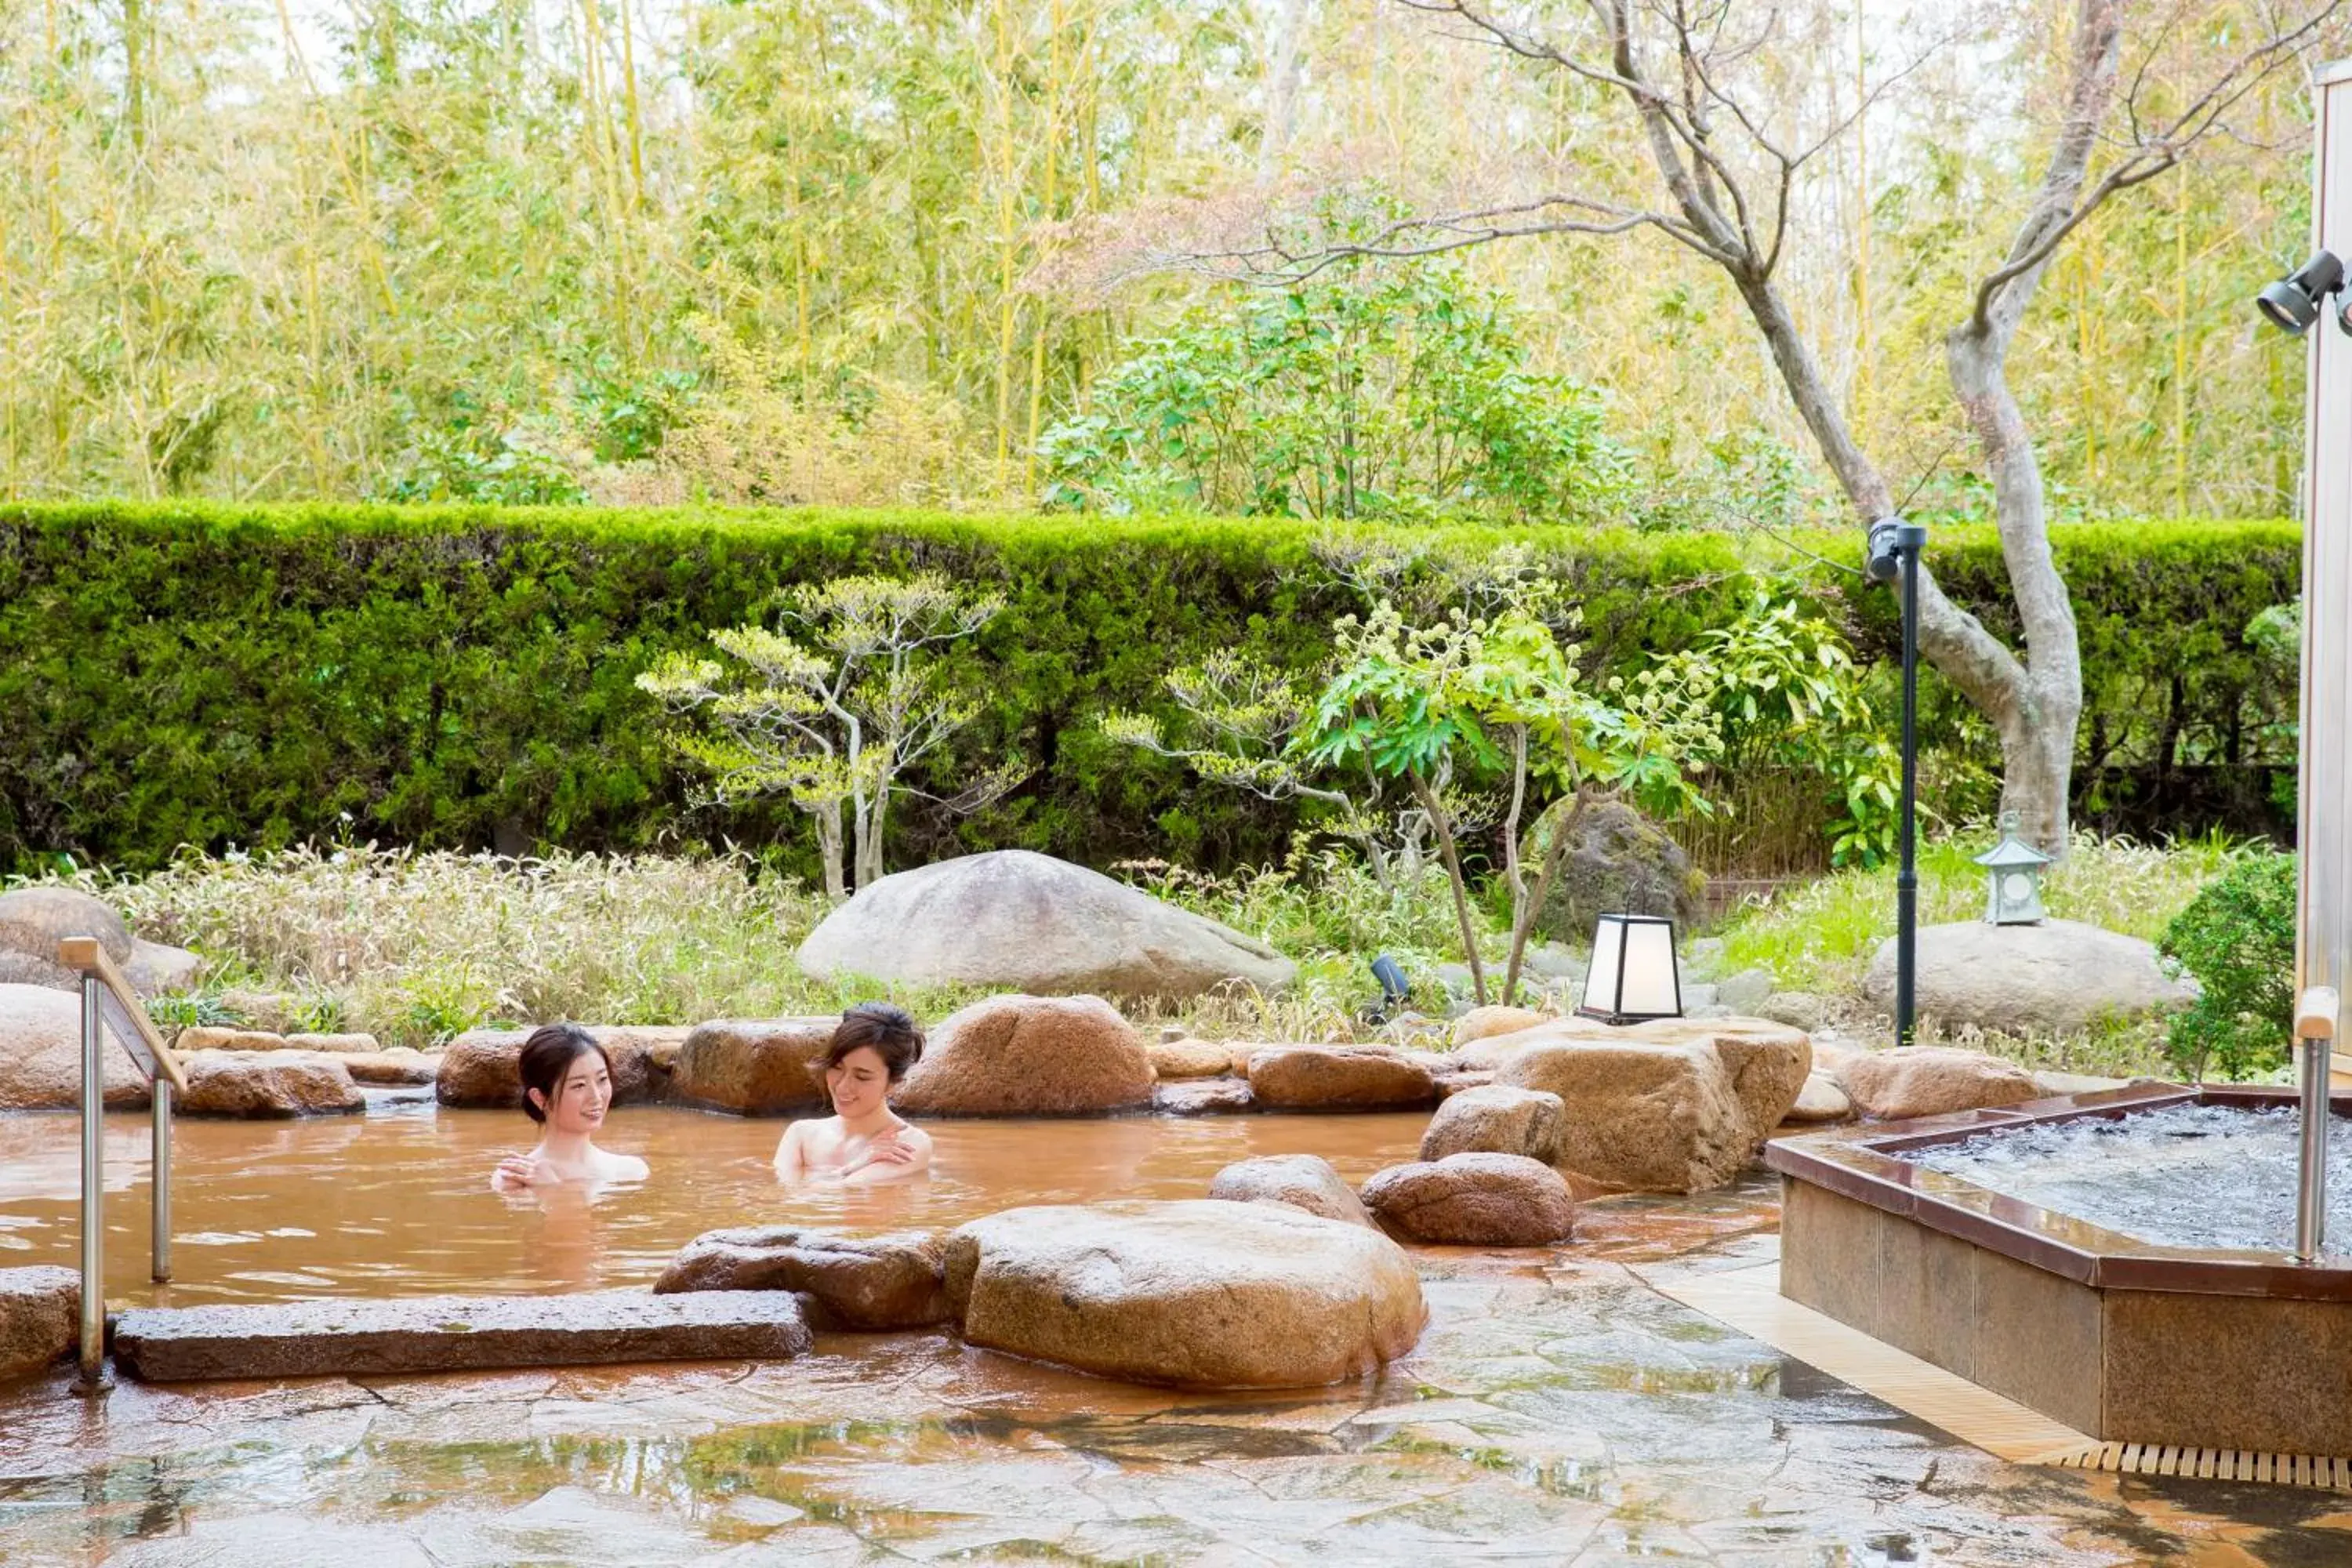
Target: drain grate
x: 2207, y: 1464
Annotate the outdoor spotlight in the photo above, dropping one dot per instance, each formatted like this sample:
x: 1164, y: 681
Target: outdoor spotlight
x: 2292, y: 304
x: 1395, y: 989
x: 1882, y: 559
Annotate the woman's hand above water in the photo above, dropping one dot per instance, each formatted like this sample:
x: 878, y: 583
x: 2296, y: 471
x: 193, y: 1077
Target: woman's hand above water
x: 521, y: 1173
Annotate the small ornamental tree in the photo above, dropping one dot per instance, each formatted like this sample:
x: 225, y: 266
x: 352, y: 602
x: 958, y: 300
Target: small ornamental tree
x: 832, y: 712
x: 1500, y: 697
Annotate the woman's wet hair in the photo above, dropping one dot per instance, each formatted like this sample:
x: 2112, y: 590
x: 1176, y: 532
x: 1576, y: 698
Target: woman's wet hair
x: 547, y: 1058
x: 885, y: 1030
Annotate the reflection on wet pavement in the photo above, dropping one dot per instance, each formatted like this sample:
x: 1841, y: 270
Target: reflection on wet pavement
x: 1558, y: 1411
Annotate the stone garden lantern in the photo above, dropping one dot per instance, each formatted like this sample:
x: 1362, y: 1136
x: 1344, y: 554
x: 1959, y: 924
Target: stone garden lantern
x: 2012, y: 879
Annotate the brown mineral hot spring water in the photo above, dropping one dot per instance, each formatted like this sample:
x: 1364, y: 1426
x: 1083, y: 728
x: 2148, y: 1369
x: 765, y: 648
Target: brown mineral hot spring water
x: 398, y: 1203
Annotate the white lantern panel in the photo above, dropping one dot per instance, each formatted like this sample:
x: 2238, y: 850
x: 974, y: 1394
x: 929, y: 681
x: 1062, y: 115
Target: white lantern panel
x: 1650, y: 985
x: 1600, y: 979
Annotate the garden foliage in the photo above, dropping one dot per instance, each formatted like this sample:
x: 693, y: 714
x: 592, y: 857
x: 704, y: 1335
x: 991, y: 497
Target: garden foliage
x: 466, y: 677
x: 1366, y: 391
x: 2237, y: 937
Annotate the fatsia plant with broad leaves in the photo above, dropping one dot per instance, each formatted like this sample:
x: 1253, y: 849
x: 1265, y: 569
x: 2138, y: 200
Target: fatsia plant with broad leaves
x: 834, y: 709
x: 1500, y: 697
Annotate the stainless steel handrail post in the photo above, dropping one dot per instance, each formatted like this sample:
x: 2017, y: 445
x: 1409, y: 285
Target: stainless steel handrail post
x: 160, y: 1185
x: 92, y: 1378
x: 2315, y: 1037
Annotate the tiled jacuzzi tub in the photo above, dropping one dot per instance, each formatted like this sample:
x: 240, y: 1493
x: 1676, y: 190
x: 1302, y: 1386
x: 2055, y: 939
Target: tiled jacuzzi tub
x: 2122, y: 1337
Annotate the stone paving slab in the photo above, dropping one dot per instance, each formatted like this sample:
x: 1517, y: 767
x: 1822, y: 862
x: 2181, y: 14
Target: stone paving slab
x: 456, y: 1333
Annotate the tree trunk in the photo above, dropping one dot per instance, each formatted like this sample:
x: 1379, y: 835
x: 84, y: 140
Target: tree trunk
x: 868, y: 865
x: 1453, y: 877
x: 828, y: 848
x: 2034, y: 707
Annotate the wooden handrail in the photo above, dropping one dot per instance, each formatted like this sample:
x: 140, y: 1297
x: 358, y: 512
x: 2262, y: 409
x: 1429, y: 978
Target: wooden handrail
x: 89, y: 955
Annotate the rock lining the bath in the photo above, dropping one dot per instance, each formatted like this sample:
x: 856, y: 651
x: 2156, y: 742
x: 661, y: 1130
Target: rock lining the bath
x: 1029, y: 1056
x: 1027, y: 921
x: 480, y: 1067
x: 1496, y: 1118
x: 1475, y: 1200
x: 1675, y: 1105
x: 869, y: 1282
x: 1198, y: 1294
x: 267, y: 1085
x: 1188, y: 1058
x: 456, y: 1333
x: 1339, y: 1078
x: 40, y: 1054
x: 1307, y: 1182
x: 1203, y: 1097
x: 1931, y: 1080
x: 755, y: 1067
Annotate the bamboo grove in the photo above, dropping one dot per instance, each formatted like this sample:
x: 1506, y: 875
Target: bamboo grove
x: 256, y: 249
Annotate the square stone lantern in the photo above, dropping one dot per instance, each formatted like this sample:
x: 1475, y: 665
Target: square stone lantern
x: 2013, y: 879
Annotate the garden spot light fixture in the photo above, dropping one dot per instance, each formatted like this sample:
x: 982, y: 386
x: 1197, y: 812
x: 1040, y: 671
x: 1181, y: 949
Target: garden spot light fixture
x: 1633, y: 976
x: 2292, y: 302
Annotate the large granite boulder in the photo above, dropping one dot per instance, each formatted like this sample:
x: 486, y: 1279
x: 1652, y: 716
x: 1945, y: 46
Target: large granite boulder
x: 1015, y: 919
x: 1199, y: 1294
x: 33, y: 920
x: 1618, y: 862
x: 1475, y: 1200
x: 1496, y: 1118
x: 1029, y: 1056
x: 1675, y: 1105
x: 156, y: 969
x: 2057, y: 977
x: 1303, y: 1181
x: 893, y: 1281
x: 480, y: 1067
x: 40, y: 1054
x: 755, y: 1067
x: 1931, y: 1080
x: 40, y: 1316
x: 1339, y: 1078
x: 266, y: 1085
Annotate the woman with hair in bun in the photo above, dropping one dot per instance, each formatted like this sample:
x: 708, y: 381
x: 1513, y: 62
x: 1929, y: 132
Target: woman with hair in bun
x: 567, y: 1087
x: 862, y: 1144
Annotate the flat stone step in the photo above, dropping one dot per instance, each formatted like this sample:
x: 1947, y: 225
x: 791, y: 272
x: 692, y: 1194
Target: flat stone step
x: 456, y: 1333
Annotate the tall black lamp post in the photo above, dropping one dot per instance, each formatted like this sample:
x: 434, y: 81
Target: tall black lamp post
x: 1895, y: 549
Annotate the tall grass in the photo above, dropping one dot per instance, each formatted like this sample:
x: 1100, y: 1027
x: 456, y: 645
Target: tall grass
x: 416, y: 947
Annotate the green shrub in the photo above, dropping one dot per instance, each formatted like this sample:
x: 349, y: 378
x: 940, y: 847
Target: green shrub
x: 2237, y: 937
x: 464, y: 676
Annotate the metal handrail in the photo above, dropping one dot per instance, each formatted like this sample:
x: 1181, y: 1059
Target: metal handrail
x: 2315, y: 1017
x: 108, y: 998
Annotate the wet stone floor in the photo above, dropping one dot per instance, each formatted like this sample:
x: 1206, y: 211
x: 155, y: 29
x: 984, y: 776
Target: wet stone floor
x: 1559, y: 1411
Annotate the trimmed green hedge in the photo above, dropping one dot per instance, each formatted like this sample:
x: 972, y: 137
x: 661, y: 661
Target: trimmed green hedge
x: 211, y: 674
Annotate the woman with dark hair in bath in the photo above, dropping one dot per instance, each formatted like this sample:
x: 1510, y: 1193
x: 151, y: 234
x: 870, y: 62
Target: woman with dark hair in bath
x: 863, y: 1143
x: 567, y: 1087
